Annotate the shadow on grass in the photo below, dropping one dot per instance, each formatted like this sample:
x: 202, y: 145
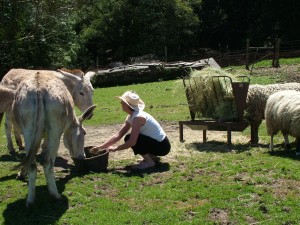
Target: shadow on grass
x: 280, y: 151
x: 8, y: 177
x: 291, y: 154
x: 127, y: 171
x: 45, y: 209
x: 59, y: 162
x: 16, y: 157
x: 216, y: 146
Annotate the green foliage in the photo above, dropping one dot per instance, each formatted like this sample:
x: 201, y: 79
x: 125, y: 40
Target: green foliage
x: 89, y: 34
x: 122, y: 29
x: 37, y: 34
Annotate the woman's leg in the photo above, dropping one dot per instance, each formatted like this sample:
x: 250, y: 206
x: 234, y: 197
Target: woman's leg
x: 142, y: 147
x: 146, y: 145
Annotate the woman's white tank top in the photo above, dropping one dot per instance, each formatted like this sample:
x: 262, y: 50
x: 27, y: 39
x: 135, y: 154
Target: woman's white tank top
x: 151, y: 128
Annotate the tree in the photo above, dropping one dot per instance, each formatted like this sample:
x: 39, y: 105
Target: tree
x: 36, y: 34
x: 120, y: 29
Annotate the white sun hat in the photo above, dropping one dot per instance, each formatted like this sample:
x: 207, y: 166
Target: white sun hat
x: 132, y: 100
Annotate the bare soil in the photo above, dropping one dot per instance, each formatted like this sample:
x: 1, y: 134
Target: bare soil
x: 99, y: 134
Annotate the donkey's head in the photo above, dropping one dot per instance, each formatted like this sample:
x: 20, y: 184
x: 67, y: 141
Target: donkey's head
x: 82, y: 89
x: 74, y: 136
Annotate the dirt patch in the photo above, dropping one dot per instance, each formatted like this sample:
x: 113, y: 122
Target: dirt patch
x: 219, y: 216
x: 98, y: 134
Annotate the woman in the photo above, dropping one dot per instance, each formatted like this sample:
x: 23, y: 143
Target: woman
x: 147, y: 137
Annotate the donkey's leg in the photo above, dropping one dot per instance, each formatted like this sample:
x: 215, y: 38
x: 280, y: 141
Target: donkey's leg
x: 8, y: 132
x: 49, y: 155
x: 32, y: 173
x: 18, y: 139
x: 21, y: 175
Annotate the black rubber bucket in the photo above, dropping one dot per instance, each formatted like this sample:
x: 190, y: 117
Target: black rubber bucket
x: 95, y: 162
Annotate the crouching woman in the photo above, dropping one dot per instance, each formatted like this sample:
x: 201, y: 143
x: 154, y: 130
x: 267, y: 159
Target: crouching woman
x: 147, y: 137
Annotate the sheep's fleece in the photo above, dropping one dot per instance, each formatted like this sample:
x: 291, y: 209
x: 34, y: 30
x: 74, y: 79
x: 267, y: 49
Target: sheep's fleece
x: 256, y: 102
x: 282, y: 113
x: 258, y: 95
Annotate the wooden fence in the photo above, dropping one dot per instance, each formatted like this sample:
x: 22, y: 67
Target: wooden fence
x: 160, y: 70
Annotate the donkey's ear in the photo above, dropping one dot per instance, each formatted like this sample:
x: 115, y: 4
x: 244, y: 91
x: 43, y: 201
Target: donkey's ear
x: 66, y: 75
x: 89, y: 75
x: 87, y: 114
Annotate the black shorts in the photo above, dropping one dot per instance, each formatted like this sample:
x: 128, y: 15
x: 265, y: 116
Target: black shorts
x: 145, y: 145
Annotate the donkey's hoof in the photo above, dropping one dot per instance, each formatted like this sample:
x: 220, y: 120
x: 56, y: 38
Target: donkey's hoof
x: 21, y: 177
x: 21, y: 148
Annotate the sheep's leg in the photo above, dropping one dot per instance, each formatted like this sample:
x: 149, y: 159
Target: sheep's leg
x: 287, y: 145
x: 297, y: 146
x: 271, y: 143
x: 254, y: 132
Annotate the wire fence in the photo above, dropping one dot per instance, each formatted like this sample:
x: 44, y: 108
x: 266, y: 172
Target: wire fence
x: 225, y: 58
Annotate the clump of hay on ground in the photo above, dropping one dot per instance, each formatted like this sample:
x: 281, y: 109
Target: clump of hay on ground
x: 209, y: 94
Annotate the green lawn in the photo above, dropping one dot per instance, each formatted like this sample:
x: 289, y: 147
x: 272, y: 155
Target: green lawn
x: 206, y: 184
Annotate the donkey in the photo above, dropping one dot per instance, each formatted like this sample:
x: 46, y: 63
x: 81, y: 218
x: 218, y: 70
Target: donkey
x: 6, y: 99
x: 79, y: 86
x: 43, y: 108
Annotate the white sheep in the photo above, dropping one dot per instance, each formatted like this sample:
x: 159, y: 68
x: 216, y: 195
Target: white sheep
x: 256, y: 103
x: 283, y: 114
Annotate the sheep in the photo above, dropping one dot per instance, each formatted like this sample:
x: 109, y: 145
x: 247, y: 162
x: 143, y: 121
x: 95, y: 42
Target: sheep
x: 283, y: 114
x: 256, y: 102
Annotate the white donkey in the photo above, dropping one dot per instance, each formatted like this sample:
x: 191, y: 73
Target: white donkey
x: 44, y: 108
x: 6, y: 98
x: 78, y: 84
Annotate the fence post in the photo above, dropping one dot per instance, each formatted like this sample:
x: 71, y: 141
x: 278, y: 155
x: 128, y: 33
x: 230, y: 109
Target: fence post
x: 275, y: 62
x: 247, y: 55
x: 166, y: 54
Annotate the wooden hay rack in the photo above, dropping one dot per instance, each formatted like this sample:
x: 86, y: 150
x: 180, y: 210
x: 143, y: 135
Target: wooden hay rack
x: 204, y: 115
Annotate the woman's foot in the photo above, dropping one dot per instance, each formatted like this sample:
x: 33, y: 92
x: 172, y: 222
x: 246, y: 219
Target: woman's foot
x: 148, y: 162
x: 155, y: 158
x: 143, y: 165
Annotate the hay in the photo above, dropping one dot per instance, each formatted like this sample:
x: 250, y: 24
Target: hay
x: 209, y: 94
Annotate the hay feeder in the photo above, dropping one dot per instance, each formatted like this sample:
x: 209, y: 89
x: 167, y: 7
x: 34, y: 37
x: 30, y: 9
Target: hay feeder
x: 216, y: 103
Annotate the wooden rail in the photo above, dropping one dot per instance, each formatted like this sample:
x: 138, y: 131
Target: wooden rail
x: 205, y: 125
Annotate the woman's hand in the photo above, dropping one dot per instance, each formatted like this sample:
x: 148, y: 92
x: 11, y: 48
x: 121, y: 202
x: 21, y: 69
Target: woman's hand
x: 95, y: 149
x: 112, y: 149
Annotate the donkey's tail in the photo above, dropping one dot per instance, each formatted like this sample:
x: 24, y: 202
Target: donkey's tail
x: 35, y: 135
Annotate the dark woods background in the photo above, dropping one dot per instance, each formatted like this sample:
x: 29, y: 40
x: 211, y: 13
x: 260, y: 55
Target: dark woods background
x: 93, y: 33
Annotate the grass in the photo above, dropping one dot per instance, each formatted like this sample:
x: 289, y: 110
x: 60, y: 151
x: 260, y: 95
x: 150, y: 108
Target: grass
x: 206, y: 184
x: 160, y: 97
